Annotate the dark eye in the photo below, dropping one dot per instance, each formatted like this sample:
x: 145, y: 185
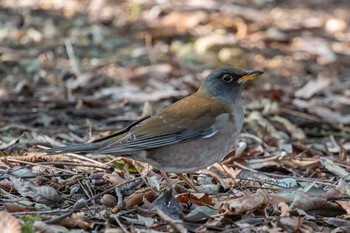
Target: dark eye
x: 227, y: 78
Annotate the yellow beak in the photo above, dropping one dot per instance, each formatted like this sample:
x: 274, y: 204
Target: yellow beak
x: 250, y: 75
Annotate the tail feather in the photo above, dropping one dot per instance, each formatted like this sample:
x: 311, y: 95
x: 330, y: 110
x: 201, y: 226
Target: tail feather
x: 81, y: 148
x: 95, y: 145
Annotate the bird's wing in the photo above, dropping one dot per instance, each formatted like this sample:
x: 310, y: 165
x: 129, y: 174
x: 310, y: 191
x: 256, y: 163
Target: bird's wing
x: 182, y: 121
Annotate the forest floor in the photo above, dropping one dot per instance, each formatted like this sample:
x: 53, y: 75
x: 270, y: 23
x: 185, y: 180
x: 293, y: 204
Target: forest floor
x: 74, y: 71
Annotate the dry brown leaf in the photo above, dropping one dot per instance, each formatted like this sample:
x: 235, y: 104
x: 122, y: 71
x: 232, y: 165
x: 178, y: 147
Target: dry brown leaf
x: 345, y: 205
x: 241, y: 205
x: 8, y: 223
x: 284, y: 209
x: 290, y: 224
x: 113, y: 179
x: 14, y: 207
x: 77, y: 220
x: 196, y: 198
x: 42, y: 194
x: 315, y: 205
x: 137, y: 197
x: 297, y: 163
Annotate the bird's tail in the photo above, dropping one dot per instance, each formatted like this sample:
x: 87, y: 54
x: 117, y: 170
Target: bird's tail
x: 90, y: 147
x: 78, y: 148
x: 96, y: 145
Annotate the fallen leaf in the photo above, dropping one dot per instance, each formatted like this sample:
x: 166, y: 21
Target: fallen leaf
x: 200, y: 213
x: 8, y: 223
x: 169, y: 205
x: 315, y: 205
x: 241, y: 205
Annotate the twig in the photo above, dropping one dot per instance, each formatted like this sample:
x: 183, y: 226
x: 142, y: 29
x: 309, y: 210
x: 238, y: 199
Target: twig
x: 177, y: 225
x: 121, y: 225
x: 71, y: 56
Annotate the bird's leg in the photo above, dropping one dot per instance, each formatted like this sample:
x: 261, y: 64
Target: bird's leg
x: 167, y: 180
x: 188, y: 181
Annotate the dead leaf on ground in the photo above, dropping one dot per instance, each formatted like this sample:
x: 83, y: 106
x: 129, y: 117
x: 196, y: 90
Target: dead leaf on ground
x: 42, y: 194
x: 8, y: 223
x: 316, y: 205
x: 241, y: 205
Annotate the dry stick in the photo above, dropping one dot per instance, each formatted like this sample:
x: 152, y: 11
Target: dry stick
x: 283, y: 176
x: 228, y: 173
x: 72, y: 164
x: 35, y: 164
x: 71, y: 56
x: 188, y: 181
x: 121, y: 225
x: 177, y: 225
x: 84, y: 158
x: 39, y: 212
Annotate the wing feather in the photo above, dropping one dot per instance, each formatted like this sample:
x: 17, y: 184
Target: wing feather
x: 177, y: 123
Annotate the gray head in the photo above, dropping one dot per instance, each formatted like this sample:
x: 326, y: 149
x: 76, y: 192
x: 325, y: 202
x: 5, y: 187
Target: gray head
x: 226, y: 82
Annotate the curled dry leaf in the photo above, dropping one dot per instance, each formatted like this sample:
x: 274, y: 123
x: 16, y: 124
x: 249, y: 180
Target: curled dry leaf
x: 42, y: 194
x: 284, y: 209
x: 137, y: 197
x: 241, y: 205
x: 345, y: 205
x: 297, y: 163
x: 5, y: 146
x: 315, y: 205
x: 14, y: 207
x: 196, y: 198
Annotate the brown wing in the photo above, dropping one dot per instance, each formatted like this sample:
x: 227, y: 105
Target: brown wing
x: 180, y: 122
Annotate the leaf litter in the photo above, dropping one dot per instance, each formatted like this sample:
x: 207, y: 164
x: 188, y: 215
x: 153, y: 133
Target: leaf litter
x: 75, y: 72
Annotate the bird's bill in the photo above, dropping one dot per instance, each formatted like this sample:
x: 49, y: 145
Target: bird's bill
x: 250, y: 75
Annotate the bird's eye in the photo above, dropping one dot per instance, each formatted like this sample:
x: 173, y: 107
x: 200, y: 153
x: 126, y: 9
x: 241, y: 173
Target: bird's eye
x: 227, y: 78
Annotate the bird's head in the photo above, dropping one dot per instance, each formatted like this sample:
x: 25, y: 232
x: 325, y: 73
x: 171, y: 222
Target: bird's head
x: 226, y: 82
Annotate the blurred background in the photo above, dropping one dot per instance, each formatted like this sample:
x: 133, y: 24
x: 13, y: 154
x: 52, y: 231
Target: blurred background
x: 72, y: 67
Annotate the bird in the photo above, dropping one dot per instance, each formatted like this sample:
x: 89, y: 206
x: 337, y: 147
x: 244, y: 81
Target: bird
x: 187, y: 136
